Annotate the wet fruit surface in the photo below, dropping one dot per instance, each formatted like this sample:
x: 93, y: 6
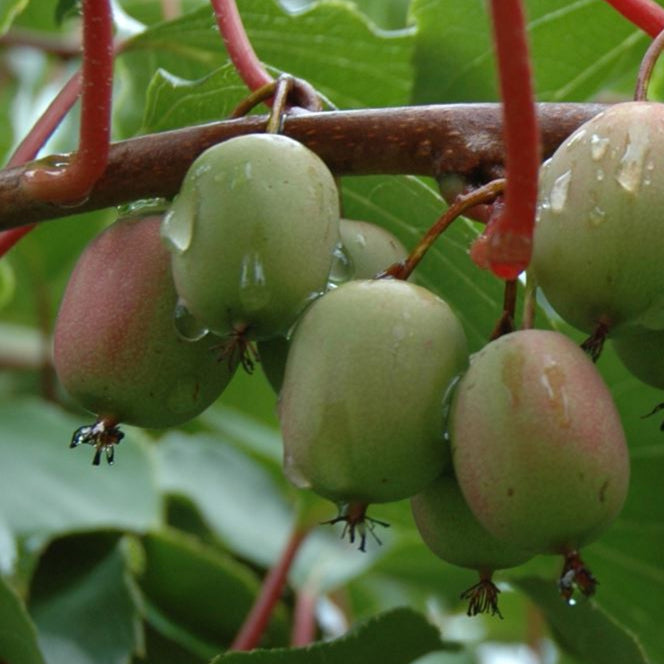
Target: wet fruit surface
x: 642, y: 352
x: 366, y: 250
x: 252, y: 234
x: 452, y: 532
x: 371, y: 248
x: 538, y: 447
x: 116, y: 347
x: 598, y: 242
x: 361, y: 406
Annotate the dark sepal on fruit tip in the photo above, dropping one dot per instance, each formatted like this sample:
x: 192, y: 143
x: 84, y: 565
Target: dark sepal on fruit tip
x: 102, y: 436
x: 575, y: 575
x: 356, y: 521
x: 482, y: 598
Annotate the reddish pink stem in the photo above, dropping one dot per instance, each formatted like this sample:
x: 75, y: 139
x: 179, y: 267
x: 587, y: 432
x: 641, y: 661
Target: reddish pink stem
x: 645, y: 14
x: 32, y: 143
x: 304, y: 618
x: 510, y: 242
x: 255, y: 623
x: 72, y: 183
x: 239, y: 47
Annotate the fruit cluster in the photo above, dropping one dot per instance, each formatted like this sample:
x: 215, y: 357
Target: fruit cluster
x: 515, y: 451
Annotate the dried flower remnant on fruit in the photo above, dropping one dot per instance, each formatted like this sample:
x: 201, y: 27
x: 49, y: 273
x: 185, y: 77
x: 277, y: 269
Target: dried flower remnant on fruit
x: 355, y: 520
x: 538, y: 448
x: 102, y: 435
x: 482, y: 598
x: 239, y: 349
x: 449, y: 528
x: 575, y: 574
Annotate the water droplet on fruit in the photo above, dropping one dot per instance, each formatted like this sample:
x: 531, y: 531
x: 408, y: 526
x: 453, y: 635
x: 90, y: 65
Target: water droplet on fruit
x: 177, y: 227
x: 598, y: 146
x: 310, y: 299
x: 399, y: 333
x: 143, y: 207
x: 597, y: 216
x: 293, y: 473
x: 630, y: 170
x: 187, y: 325
x: 447, y: 404
x: 342, y: 269
x: 240, y: 175
x: 253, y: 291
x: 560, y: 190
x: 576, y: 137
x: 553, y: 381
x: 201, y: 169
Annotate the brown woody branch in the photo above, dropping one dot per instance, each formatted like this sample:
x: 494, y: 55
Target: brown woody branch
x: 415, y: 140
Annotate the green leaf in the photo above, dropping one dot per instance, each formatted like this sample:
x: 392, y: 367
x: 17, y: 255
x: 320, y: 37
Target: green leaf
x: 50, y: 490
x: 92, y: 618
x: 576, y: 49
x: 174, y: 102
x: 67, y: 8
x: 18, y: 637
x: 585, y: 630
x: 240, y: 501
x: 387, y: 14
x: 208, y: 594
x: 394, y: 637
x: 249, y: 508
x: 7, y: 283
x: 9, y: 9
x: 330, y: 45
x: 8, y: 551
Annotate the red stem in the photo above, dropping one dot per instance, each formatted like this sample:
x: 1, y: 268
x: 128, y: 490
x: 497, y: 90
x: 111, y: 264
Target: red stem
x: 73, y: 183
x: 645, y: 14
x: 510, y: 244
x: 33, y: 142
x: 238, y: 45
x: 304, y: 618
x: 256, y: 621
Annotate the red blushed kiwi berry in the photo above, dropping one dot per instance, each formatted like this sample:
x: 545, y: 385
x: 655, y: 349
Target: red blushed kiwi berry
x: 450, y: 529
x: 116, y: 347
x: 537, y: 444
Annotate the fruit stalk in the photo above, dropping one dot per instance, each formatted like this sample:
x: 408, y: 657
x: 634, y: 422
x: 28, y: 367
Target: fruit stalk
x: 304, y: 617
x: 645, y: 14
x: 239, y: 47
x: 35, y: 139
x: 73, y: 183
x: 510, y: 242
x: 256, y: 621
x: 463, y: 202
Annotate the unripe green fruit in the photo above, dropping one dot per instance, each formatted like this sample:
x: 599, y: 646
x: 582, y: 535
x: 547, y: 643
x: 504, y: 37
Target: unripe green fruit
x: 370, y: 250
x: 252, y: 234
x: 642, y: 352
x: 537, y: 444
x: 361, y: 407
x: 598, y: 244
x: 116, y: 349
x: 273, y: 354
x: 450, y: 529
